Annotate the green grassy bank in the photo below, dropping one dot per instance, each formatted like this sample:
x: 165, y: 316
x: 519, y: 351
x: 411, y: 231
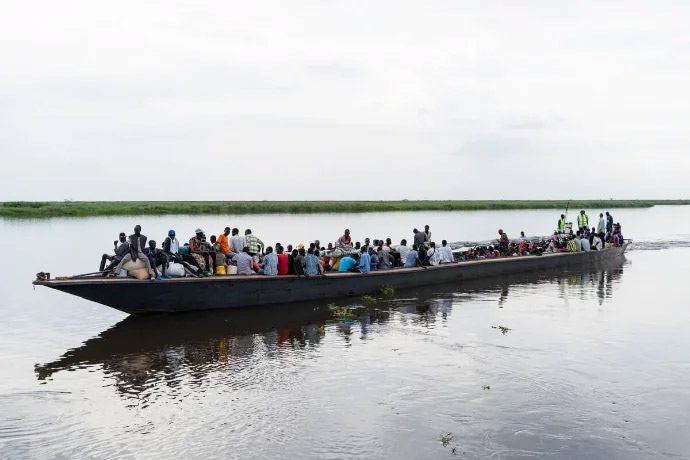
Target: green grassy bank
x: 27, y: 209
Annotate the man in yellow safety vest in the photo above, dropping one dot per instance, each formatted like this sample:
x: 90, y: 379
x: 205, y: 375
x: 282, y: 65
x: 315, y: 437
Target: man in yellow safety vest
x: 582, y: 221
x: 561, y: 224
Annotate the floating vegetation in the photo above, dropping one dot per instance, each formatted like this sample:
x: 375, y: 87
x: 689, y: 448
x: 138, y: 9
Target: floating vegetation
x: 368, y: 299
x: 342, y: 313
x: 446, y: 438
x: 504, y: 330
x: 387, y: 290
x: 486, y: 387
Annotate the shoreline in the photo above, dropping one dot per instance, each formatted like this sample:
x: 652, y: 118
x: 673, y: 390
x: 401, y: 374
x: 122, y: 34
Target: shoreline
x: 48, y: 209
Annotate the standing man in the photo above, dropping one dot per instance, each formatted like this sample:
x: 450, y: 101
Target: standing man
x: 137, y: 246
x: 427, y: 233
x: 419, y: 238
x: 254, y: 244
x: 601, y: 226
x: 120, y: 251
x: 561, y: 224
x: 582, y: 222
x: 609, y: 222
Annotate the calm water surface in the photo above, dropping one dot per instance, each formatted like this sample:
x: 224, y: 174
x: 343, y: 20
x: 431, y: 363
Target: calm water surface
x: 594, y: 363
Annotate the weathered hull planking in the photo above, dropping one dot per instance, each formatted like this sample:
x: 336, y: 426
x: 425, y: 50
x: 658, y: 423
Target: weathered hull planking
x: 194, y: 294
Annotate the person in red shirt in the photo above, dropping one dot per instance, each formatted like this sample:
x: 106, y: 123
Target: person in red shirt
x: 282, y: 261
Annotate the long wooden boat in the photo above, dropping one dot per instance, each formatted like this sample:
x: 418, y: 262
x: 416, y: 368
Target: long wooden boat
x: 194, y: 294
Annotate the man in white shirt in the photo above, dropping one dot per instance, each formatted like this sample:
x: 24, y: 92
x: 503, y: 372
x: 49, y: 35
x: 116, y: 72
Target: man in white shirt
x: 446, y: 253
x: 403, y: 250
x: 432, y: 254
x: 584, y: 242
x: 237, y: 242
x: 596, y: 243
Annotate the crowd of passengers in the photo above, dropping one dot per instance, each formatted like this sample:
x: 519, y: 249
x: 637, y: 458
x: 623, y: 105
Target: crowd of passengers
x: 233, y: 253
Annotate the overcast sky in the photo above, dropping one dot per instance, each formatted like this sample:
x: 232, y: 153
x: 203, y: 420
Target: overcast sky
x: 310, y: 100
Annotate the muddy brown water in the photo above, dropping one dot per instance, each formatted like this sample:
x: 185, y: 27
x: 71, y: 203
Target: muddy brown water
x: 592, y: 362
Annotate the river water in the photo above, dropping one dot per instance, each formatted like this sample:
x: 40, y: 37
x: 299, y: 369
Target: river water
x: 592, y: 363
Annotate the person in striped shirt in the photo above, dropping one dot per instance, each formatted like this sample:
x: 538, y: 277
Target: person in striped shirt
x: 252, y: 242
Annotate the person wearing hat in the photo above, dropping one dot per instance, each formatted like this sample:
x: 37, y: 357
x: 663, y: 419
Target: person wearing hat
x: 171, y: 245
x: 120, y: 250
x: 201, y: 251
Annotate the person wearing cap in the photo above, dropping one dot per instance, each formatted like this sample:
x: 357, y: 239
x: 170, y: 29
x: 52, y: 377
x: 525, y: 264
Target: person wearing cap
x: 120, y: 250
x: 344, y: 242
x: 252, y: 242
x: 201, y: 251
x: 171, y: 247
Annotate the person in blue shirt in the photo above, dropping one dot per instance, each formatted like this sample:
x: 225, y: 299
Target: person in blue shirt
x: 412, y: 258
x: 311, y: 263
x: 347, y: 263
x: 364, y: 261
x: 374, y: 264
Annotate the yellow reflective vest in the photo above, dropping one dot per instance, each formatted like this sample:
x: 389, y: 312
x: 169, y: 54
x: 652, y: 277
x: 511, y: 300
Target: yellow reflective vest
x: 561, y: 225
x: 582, y: 220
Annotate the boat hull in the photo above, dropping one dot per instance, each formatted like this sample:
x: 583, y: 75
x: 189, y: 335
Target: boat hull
x: 195, y: 294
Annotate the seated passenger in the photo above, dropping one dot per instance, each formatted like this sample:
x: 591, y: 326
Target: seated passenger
x: 282, y: 261
x: 157, y: 257
x: 171, y: 247
x: 269, y: 264
x: 597, y: 244
x: 384, y: 259
x: 572, y: 246
x: 201, y: 251
x: 347, y: 263
x: 245, y: 262
x: 137, y: 246
x: 374, y: 264
x: 584, y: 244
x: 312, y: 267
x: 446, y: 253
x: 121, y: 250
x: 412, y: 258
x: 298, y: 260
x: 344, y: 242
x: 224, y: 242
x: 433, y: 255
x: 364, y: 261
x: 403, y: 250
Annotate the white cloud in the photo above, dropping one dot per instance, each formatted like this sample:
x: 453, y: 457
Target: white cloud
x: 268, y: 100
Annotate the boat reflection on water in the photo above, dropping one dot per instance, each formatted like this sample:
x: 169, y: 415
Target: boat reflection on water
x: 144, y: 351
